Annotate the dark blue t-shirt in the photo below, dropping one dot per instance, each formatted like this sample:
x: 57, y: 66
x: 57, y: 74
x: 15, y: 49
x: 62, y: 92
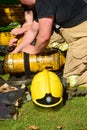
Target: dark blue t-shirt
x: 67, y: 13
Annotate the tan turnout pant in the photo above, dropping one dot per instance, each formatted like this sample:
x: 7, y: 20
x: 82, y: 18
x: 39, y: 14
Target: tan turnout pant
x: 76, y: 59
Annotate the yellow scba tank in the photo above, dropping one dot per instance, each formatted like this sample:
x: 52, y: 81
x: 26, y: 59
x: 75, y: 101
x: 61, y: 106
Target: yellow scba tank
x: 15, y: 63
x: 46, y: 89
x: 5, y: 37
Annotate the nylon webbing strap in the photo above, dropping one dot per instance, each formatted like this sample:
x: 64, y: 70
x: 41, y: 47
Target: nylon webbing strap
x: 26, y: 65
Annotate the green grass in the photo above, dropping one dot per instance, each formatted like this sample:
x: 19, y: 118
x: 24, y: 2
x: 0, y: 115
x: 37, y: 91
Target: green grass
x: 71, y: 116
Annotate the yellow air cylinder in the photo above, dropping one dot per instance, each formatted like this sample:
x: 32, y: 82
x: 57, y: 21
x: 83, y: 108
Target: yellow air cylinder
x: 5, y: 37
x: 14, y: 63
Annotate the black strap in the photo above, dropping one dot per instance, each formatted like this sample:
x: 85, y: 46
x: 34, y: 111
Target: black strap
x: 26, y: 65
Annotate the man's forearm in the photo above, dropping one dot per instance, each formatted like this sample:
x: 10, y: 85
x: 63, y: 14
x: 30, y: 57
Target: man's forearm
x: 41, y: 44
x: 27, y: 39
x: 37, y: 48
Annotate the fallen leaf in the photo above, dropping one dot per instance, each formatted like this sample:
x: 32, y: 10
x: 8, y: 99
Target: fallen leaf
x: 48, y: 119
x: 59, y: 127
x: 32, y: 127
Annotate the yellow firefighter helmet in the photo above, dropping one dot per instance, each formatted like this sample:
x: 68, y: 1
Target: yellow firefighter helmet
x: 46, y: 89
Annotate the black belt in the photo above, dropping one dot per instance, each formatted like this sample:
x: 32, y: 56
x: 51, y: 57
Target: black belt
x: 26, y: 65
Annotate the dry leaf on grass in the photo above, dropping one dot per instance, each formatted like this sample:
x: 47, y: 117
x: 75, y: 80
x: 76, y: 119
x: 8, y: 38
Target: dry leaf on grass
x: 32, y: 127
x: 59, y: 127
x: 6, y: 88
x: 48, y: 119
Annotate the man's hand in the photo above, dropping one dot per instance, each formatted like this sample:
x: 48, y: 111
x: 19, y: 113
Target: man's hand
x: 30, y: 49
x: 13, y: 42
x: 16, y: 31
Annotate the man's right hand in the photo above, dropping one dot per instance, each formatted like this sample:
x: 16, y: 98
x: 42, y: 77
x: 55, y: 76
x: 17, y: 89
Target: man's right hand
x: 13, y: 42
x: 16, y: 31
